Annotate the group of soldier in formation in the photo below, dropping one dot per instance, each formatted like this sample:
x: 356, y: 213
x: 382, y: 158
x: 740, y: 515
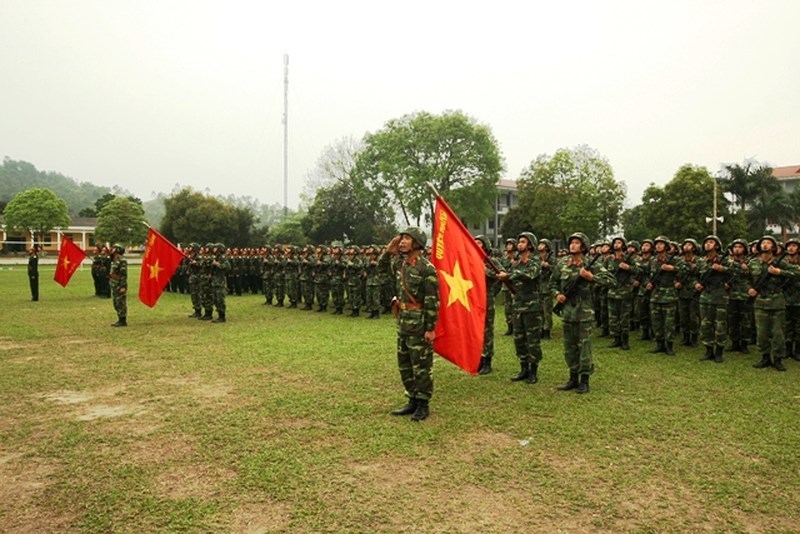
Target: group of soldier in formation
x: 746, y: 292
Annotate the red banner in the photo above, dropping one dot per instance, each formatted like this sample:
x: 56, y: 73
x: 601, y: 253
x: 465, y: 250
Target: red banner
x: 462, y: 290
x: 69, y: 259
x: 160, y: 260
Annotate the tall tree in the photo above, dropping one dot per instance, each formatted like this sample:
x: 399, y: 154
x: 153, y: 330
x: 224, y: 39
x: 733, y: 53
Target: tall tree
x: 337, y: 213
x: 121, y: 220
x: 452, y: 152
x: 192, y: 216
x: 37, y: 210
x: 572, y: 190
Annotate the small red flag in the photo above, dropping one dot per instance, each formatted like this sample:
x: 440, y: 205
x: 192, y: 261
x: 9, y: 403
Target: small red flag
x: 462, y: 290
x: 160, y: 260
x: 69, y: 259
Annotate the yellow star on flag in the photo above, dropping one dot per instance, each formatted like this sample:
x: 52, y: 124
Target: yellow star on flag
x: 155, y: 270
x: 458, y: 287
x: 66, y: 263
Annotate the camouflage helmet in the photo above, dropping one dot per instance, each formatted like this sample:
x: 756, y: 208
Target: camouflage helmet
x: 532, y: 241
x: 717, y: 241
x: 794, y: 240
x: 511, y: 240
x: 195, y: 246
x: 336, y: 244
x: 635, y: 244
x: 619, y: 238
x: 416, y: 234
x: 580, y: 236
x: 648, y: 241
x: 662, y: 238
x: 209, y: 245
x: 220, y: 247
x: 693, y: 241
x: 546, y: 242
x: 774, y: 242
x: 487, y: 245
x: 116, y: 248
x: 603, y: 241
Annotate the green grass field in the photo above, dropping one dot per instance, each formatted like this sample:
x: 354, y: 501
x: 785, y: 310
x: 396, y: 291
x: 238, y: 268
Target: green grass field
x: 279, y: 421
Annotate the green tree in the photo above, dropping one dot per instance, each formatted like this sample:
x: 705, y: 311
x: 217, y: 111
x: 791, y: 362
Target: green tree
x: 452, y: 152
x: 514, y: 223
x: 337, y: 213
x: 289, y: 230
x: 37, y: 210
x: 192, y: 216
x: 633, y: 222
x: 572, y: 190
x: 121, y: 220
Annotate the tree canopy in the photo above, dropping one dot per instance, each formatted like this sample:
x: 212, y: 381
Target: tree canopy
x: 452, y: 152
x: 38, y: 210
x: 572, y: 190
x: 191, y: 216
x: 121, y: 220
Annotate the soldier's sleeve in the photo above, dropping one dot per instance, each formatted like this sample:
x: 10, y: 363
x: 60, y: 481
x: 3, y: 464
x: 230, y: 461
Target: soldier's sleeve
x: 123, y: 274
x: 602, y: 276
x: 555, y: 278
x: 431, y: 304
x: 527, y: 271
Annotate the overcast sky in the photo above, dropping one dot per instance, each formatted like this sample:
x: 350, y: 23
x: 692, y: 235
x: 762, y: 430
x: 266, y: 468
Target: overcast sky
x: 147, y: 94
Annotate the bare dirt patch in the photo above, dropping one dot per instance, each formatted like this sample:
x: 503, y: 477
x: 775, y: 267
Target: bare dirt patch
x: 260, y: 518
x: 97, y: 412
x: 197, y: 481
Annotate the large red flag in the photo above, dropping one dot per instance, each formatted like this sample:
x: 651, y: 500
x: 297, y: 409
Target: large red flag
x: 69, y: 259
x: 462, y: 290
x: 160, y: 260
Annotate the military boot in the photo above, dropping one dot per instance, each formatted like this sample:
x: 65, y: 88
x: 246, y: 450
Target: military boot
x: 572, y: 383
x: 659, y: 347
x: 764, y: 363
x: 789, y: 349
x: 421, y: 413
x: 354, y: 313
x: 645, y: 334
x: 486, y: 365
x: 339, y: 311
x: 709, y: 355
x: 796, y: 353
x: 524, y: 371
x: 693, y: 340
x: 533, y: 376
x: 718, y: 354
x: 743, y: 347
x: 605, y: 332
x: 308, y: 307
x: 278, y: 303
x: 583, y: 386
x: 322, y: 308
x: 778, y: 365
x: 617, y: 342
x: 509, y: 330
x: 207, y: 316
x: 221, y: 318
x: 668, y: 349
x: 734, y: 346
x: 545, y: 334
x: 625, y: 342
x: 122, y: 321
x: 408, y: 409
x: 196, y: 314
x: 293, y: 305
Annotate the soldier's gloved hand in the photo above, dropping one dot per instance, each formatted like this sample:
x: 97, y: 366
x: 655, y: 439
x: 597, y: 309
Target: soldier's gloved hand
x: 430, y: 335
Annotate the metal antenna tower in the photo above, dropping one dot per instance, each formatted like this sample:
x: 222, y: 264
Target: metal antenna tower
x: 285, y: 135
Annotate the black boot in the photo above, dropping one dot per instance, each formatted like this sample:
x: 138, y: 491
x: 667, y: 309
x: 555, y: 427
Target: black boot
x: 668, y: 349
x: 122, y: 321
x: 693, y: 340
x: 617, y: 342
x: 221, y: 318
x: 659, y: 347
x: 572, y: 383
x: 421, y: 413
x: 789, y: 349
x: 734, y: 346
x: 686, y: 340
x: 545, y: 334
x: 293, y: 305
x: 322, y: 308
x: 486, y: 365
x: 524, y: 370
x: 583, y: 386
x: 605, y: 332
x: 764, y: 363
x: 278, y: 304
x: 354, y: 313
x: 718, y: 354
x: 743, y: 347
x: 646, y: 334
x: 533, y: 373
x: 796, y: 353
x: 509, y: 330
x: 308, y: 307
x: 409, y: 408
x: 709, y: 355
x: 625, y: 342
x: 778, y: 365
x: 207, y: 316
x: 196, y: 314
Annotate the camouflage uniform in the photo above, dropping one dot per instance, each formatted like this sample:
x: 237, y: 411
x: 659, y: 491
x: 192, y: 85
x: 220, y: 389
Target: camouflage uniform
x: 620, y: 297
x: 267, y: 268
x: 337, y: 277
x: 322, y: 280
x: 791, y: 291
x: 713, y: 273
x: 643, y: 296
x: 307, y: 277
x: 373, y: 283
x: 578, y: 311
x: 548, y: 260
x: 206, y: 291
x: 416, y: 289
x: 740, y: 304
x: 491, y: 269
x: 220, y: 266
x: 354, y: 274
x: 193, y: 267
x: 291, y: 276
x: 663, y: 296
x: 279, y: 275
x: 688, y: 301
x: 508, y: 299
x: 118, y: 283
x: 98, y: 272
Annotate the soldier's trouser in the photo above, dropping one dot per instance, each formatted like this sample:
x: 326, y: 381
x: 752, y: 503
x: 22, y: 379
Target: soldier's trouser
x: 337, y: 294
x: 619, y: 316
x: 689, y: 313
x: 547, y: 311
x: 194, y: 292
x: 206, y: 294
x: 280, y: 288
x: 644, y: 312
x: 266, y: 287
x: 508, y: 307
x: 218, y: 295
x: 713, y: 323
x: 354, y: 294
x: 293, y: 290
x: 769, y: 332
x: 578, y: 347
x: 34, y: 282
x: 662, y: 319
x: 322, y: 289
x: 488, y: 333
x: 791, y: 330
x: 528, y: 335
x: 120, y: 303
x: 603, y: 299
x: 415, y: 362
x: 308, y: 292
x: 373, y: 298
x: 739, y: 317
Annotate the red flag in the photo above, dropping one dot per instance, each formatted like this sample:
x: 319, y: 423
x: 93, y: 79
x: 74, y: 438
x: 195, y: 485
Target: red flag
x: 69, y: 259
x: 160, y: 260
x: 462, y: 290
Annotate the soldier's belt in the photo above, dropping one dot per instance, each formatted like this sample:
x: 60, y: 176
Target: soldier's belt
x: 410, y: 306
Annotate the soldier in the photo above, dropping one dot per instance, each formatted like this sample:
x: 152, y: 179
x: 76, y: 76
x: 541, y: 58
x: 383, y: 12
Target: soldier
x: 545, y: 249
x: 663, y: 270
x: 206, y: 288
x: 791, y: 290
x: 570, y: 285
x: 740, y: 305
x: 769, y: 275
x: 193, y: 266
x: 266, y: 269
x: 524, y: 277
x: 98, y: 272
x: 337, y: 277
x: 33, y: 272
x: 118, y: 282
x: 633, y: 251
x: 417, y: 303
x: 307, y: 277
x: 292, y: 275
x: 322, y: 277
x: 491, y: 269
x: 604, y: 248
x: 373, y: 282
x: 620, y: 297
x: 688, y: 302
x: 354, y: 274
x: 509, y: 256
x: 279, y: 275
x: 220, y: 266
x: 643, y: 296
x: 713, y: 273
